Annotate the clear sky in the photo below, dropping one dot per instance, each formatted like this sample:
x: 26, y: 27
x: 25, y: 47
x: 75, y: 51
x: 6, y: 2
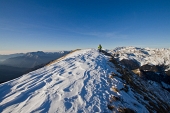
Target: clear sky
x: 51, y: 25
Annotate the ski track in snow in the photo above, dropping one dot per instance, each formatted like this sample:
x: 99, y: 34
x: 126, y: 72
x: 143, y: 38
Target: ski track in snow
x: 78, y: 83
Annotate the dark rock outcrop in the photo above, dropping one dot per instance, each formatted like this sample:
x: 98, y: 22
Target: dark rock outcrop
x: 130, y: 64
x: 154, y: 68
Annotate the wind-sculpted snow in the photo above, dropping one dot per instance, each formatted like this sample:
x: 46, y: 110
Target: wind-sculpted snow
x: 75, y: 84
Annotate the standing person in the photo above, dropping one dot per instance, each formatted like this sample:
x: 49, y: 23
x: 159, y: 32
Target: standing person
x: 99, y: 47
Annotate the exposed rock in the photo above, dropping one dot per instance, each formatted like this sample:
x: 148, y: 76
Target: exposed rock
x: 154, y: 68
x: 168, y: 72
x: 131, y: 64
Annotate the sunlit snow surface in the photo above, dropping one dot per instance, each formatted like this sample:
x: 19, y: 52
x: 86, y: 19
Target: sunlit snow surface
x: 144, y: 55
x: 76, y: 84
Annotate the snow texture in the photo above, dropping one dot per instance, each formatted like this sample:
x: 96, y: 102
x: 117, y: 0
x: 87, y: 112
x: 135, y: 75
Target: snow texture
x: 144, y: 55
x: 76, y: 84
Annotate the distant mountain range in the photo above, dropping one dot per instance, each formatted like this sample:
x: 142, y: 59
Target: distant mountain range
x: 15, y: 65
x: 32, y: 59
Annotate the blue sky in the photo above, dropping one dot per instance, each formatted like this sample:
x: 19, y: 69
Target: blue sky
x: 51, y: 25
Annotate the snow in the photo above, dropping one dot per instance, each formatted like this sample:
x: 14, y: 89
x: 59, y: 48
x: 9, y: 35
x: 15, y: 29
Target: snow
x: 144, y: 55
x: 75, y: 84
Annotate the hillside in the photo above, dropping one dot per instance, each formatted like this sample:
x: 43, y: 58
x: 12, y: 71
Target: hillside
x: 4, y: 57
x: 8, y: 72
x: 83, y: 81
x: 148, y: 63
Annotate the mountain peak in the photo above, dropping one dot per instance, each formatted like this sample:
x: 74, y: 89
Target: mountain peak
x: 32, y: 54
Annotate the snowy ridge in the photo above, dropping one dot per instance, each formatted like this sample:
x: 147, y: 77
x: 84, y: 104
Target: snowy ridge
x: 80, y: 82
x: 144, y: 55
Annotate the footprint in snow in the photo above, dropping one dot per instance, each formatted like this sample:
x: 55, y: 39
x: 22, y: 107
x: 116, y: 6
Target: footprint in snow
x: 70, y: 73
x: 58, y: 97
x: 68, y: 105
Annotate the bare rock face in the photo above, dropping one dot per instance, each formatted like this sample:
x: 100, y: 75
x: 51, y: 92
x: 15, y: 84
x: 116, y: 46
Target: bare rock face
x: 168, y: 72
x: 155, y: 73
x: 131, y: 64
x: 151, y: 72
x: 154, y: 68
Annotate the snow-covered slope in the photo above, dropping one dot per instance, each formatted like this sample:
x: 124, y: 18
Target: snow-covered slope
x: 81, y: 82
x: 143, y: 55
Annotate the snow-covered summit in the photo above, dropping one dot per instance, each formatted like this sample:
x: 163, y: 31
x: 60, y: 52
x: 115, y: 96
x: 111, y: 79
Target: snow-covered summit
x: 143, y: 55
x: 81, y: 82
